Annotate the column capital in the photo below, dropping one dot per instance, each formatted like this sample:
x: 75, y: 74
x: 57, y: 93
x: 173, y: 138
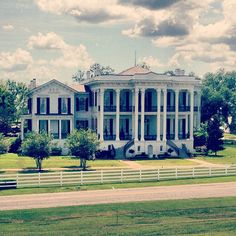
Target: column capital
x: 117, y: 90
x: 136, y: 90
x: 102, y: 90
x: 177, y: 90
x: 143, y: 90
x: 164, y: 90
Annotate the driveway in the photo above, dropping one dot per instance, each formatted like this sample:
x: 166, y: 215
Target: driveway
x: 93, y: 197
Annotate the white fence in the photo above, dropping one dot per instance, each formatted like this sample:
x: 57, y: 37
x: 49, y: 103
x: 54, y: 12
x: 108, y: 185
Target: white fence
x: 110, y: 176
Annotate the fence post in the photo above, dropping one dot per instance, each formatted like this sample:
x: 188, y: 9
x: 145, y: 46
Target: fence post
x: 17, y: 179
x: 140, y: 175
x: 61, y: 180
x: 101, y: 176
x: 158, y: 174
x: 176, y: 173
x: 121, y: 175
x: 193, y: 172
x: 226, y: 170
x: 209, y: 171
x: 39, y: 179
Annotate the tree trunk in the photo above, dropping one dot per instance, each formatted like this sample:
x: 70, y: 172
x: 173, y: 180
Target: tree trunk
x: 39, y: 164
x: 83, y: 163
x: 232, y: 126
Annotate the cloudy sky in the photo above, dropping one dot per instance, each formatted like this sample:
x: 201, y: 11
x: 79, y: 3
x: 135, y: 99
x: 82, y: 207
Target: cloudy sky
x: 50, y: 39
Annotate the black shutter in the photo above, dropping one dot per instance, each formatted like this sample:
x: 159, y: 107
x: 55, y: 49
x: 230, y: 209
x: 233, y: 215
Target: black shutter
x: 184, y: 99
x: 77, y: 104
x: 127, y: 99
x: 168, y: 98
x: 86, y: 104
x: 47, y: 126
x: 68, y: 131
x: 111, y: 98
x: 69, y: 105
x: 29, y: 125
x: 38, y: 105
x: 48, y: 105
x: 127, y: 126
x: 30, y: 105
x: 59, y: 105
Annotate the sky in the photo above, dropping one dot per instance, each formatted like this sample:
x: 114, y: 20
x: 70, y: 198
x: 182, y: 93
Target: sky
x: 53, y: 39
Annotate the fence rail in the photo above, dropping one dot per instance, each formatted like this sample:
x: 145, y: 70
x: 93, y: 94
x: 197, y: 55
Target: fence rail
x: 110, y: 176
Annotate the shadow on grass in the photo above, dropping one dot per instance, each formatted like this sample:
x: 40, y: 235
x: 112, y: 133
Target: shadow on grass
x: 213, y: 156
x: 72, y: 167
x: 32, y: 171
x: 2, y: 172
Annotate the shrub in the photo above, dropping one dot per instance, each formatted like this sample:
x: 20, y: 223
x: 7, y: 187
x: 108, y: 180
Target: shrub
x: 55, y: 150
x: 4, y: 144
x: 15, y: 146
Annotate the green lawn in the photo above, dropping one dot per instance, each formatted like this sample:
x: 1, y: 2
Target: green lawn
x: 230, y: 136
x: 53, y: 189
x: 13, y: 161
x: 167, y: 162
x: 227, y: 156
x: 213, y: 216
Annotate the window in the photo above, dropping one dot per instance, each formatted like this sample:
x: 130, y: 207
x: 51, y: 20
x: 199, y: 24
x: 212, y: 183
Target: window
x: 43, y: 126
x: 64, y: 105
x: 43, y: 104
x: 65, y: 128
x: 139, y: 148
x: 81, y: 124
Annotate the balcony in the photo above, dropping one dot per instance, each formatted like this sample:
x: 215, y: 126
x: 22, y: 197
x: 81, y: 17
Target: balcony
x: 150, y: 137
x: 126, y: 137
x: 170, y: 108
x: 109, y: 137
x: 110, y: 108
x: 170, y: 136
x: 183, y: 136
x: 150, y: 108
x: 126, y: 108
x: 184, y: 108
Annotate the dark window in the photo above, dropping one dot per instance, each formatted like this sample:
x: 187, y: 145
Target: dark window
x: 59, y: 105
x: 43, y: 126
x: 81, y: 124
x: 30, y: 105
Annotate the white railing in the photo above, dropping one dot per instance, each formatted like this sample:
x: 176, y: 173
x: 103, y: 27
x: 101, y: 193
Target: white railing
x: 110, y: 176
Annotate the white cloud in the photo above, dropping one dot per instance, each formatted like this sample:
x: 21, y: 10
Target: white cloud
x: 15, y: 61
x: 8, y: 27
x: 46, y: 41
x: 151, y: 61
x: 72, y: 56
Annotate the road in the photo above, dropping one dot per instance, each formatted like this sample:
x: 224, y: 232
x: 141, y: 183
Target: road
x: 92, y: 197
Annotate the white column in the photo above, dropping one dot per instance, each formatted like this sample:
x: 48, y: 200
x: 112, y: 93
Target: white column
x: 22, y: 128
x: 158, y: 114
x: 136, y: 94
x: 199, y: 110
x: 49, y: 126
x: 164, y: 113
x: 133, y: 113
x: 117, y: 114
x: 142, y: 113
x: 186, y: 124
x: 71, y: 125
x: 176, y: 114
x: 59, y: 130
x: 191, y: 113
x: 101, y: 112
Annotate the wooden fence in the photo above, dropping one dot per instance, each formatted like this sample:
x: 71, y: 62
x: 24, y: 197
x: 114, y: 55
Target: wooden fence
x: 110, y: 176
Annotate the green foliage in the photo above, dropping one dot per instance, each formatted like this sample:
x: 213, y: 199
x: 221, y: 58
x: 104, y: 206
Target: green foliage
x: 201, y: 135
x: 219, y: 96
x: 15, y: 146
x: 37, y: 146
x: 4, y: 144
x: 55, y: 150
x: 215, y: 135
x: 82, y: 144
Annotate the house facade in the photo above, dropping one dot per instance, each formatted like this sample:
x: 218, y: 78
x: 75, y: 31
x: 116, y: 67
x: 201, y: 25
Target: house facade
x: 136, y: 110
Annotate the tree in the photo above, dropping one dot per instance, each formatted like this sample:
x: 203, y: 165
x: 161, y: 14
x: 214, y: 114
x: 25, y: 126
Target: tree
x: 215, y: 135
x: 144, y: 65
x: 82, y: 144
x: 4, y: 144
x: 37, y: 146
x: 219, y: 97
x: 201, y: 135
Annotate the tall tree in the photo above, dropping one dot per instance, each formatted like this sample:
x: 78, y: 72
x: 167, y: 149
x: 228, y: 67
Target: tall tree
x: 82, y: 144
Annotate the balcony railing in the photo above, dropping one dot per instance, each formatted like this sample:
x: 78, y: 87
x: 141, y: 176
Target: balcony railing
x: 151, y: 108
x: 184, y: 136
x: 170, y: 136
x: 196, y: 108
x: 126, y: 137
x: 109, y: 137
x: 150, y: 137
x: 170, y: 108
x: 126, y: 108
x: 184, y: 108
x: 110, y: 108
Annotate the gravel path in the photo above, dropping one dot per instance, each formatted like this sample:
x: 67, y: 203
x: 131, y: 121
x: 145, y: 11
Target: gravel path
x: 47, y: 200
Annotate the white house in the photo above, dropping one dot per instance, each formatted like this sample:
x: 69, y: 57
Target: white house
x: 136, y: 109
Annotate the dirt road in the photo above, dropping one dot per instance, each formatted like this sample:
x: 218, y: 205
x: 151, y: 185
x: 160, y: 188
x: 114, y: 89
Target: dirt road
x: 47, y: 200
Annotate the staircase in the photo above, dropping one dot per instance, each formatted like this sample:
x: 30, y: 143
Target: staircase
x: 127, y: 146
x: 181, y: 152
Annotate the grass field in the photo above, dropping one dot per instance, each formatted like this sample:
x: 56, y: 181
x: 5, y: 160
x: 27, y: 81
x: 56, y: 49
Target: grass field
x: 227, y: 156
x: 52, y: 189
x: 230, y: 136
x: 13, y: 161
x: 167, y: 162
x: 214, y: 216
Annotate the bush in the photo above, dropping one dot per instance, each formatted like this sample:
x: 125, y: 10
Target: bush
x: 4, y: 144
x: 55, y: 150
x: 15, y: 146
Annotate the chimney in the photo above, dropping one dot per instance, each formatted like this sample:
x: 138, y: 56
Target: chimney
x: 32, y: 84
x: 88, y: 75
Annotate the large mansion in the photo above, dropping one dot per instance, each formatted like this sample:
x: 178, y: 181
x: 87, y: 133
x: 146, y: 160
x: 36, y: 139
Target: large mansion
x: 136, y: 109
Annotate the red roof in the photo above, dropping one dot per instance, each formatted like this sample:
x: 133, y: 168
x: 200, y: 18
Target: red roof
x: 135, y: 70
